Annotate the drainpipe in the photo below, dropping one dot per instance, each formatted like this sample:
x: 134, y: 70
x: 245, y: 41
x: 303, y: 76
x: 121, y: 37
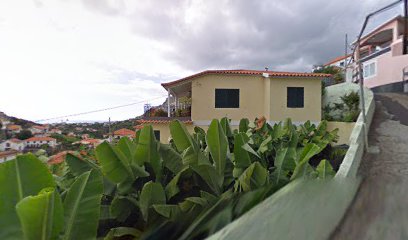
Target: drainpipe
x: 168, y: 103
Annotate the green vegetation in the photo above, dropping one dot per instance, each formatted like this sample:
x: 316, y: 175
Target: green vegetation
x: 346, y: 111
x: 24, y: 134
x: 337, y: 73
x: 143, y: 189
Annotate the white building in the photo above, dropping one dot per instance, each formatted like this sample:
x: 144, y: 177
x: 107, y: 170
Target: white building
x: 37, y: 129
x: 12, y: 144
x: 8, y: 155
x: 39, y: 141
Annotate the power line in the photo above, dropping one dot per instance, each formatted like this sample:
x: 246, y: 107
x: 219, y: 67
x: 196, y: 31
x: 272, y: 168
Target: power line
x: 100, y: 110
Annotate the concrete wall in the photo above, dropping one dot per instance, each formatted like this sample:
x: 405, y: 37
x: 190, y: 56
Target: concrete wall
x: 345, y: 129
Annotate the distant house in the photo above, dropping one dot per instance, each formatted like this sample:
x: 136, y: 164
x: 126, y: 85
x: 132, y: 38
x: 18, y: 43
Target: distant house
x: 37, y: 129
x: 12, y: 144
x: 124, y: 132
x: 339, y: 62
x: 39, y: 141
x: 12, y: 128
x: 55, y: 130
x: 90, y: 142
x: 85, y: 136
x: 4, y: 122
x: 238, y: 94
x: 8, y: 155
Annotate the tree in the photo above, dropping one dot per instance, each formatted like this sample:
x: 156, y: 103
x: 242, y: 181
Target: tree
x: 337, y: 72
x: 24, y: 134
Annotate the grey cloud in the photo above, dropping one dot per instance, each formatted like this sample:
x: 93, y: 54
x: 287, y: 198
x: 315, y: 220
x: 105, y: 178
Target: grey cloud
x: 284, y: 35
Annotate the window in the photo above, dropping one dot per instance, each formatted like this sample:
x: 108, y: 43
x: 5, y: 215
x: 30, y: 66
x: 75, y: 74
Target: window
x: 226, y: 98
x: 369, y: 70
x: 295, y: 97
x: 157, y: 135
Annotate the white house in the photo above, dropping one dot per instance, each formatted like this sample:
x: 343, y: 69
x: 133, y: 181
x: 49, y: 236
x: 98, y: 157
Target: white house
x: 12, y: 144
x: 39, y: 141
x: 8, y: 155
x: 37, y: 129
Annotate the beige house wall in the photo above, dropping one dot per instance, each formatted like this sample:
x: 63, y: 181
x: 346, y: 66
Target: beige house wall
x: 164, y: 129
x: 251, y: 94
x: 259, y: 96
x: 312, y: 100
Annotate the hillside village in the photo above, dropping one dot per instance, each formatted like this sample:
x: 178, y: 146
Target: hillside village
x: 20, y: 136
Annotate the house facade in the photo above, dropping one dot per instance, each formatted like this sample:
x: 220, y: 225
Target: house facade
x: 36, y: 142
x: 238, y: 94
x: 8, y: 155
x: 382, y: 58
x: 14, y: 129
x: 123, y: 132
x: 12, y: 144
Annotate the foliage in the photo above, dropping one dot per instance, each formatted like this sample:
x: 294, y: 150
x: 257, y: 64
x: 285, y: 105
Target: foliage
x: 345, y: 111
x: 186, y: 190
x: 336, y: 72
x: 24, y: 134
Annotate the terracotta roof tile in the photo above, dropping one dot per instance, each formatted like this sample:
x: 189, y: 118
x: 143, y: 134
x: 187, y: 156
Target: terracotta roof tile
x: 247, y: 72
x: 40, y: 139
x: 8, y: 153
x: 124, y: 132
x: 59, y: 157
x: 13, y: 127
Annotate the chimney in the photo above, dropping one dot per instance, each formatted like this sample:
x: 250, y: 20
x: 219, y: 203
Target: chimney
x: 266, y: 74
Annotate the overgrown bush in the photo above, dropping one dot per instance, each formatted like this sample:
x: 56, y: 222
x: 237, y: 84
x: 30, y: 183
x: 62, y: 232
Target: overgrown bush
x: 345, y: 111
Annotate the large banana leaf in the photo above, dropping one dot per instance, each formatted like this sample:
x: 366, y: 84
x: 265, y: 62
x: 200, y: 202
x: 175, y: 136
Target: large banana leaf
x: 243, y: 125
x: 114, y: 164
x: 171, y: 158
x: 218, y: 144
x: 147, y: 151
x: 123, y: 233
x: 252, y: 178
x: 41, y: 216
x: 181, y: 137
x: 82, y: 206
x: 285, y: 159
x: 225, y: 124
x: 210, y: 175
x: 325, y: 170
x: 242, y: 158
x: 78, y: 166
x: 152, y: 193
x: 19, y: 178
x: 307, y: 153
x: 127, y: 147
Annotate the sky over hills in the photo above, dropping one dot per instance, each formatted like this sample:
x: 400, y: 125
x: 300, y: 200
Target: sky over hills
x: 60, y: 57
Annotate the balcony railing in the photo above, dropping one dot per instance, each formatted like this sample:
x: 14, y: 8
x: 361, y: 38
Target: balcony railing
x: 376, y: 54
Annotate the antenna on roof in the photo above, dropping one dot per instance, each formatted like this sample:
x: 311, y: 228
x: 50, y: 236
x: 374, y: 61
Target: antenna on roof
x: 266, y: 68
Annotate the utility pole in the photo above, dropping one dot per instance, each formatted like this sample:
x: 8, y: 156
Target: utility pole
x: 404, y: 45
x: 345, y: 56
x: 110, y: 132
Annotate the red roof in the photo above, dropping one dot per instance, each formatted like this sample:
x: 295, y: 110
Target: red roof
x: 124, y: 132
x: 59, y: 157
x: 162, y: 120
x: 336, y: 60
x: 39, y: 127
x: 247, y: 72
x: 8, y: 153
x: 15, y: 140
x: 40, y: 139
x: 13, y: 127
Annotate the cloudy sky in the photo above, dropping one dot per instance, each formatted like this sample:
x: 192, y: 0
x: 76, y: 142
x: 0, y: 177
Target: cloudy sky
x: 60, y: 57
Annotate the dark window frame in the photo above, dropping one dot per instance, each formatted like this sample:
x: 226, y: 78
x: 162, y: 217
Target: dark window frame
x: 227, y: 98
x: 157, y: 134
x: 295, y: 97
